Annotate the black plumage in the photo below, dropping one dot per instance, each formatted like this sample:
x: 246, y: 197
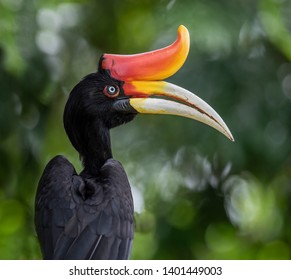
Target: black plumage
x: 90, y: 215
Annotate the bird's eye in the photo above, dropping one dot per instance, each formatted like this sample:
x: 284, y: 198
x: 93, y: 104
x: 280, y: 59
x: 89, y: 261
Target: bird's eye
x: 111, y: 91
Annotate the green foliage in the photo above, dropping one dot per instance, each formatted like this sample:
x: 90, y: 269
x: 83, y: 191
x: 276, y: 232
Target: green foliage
x: 197, y: 195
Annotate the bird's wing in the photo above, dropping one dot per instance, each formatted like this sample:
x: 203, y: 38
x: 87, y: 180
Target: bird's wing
x: 100, y: 225
x: 105, y: 237
x: 54, y: 204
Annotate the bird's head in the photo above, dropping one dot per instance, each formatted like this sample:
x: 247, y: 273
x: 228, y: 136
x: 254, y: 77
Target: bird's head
x: 126, y: 85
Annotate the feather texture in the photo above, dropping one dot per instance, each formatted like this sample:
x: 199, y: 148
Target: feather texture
x: 81, y: 216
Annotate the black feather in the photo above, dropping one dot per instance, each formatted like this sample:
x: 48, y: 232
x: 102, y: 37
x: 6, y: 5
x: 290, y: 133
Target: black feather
x: 87, y: 215
x: 71, y: 227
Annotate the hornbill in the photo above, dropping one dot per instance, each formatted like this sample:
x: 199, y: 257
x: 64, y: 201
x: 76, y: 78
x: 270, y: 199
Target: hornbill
x: 90, y: 215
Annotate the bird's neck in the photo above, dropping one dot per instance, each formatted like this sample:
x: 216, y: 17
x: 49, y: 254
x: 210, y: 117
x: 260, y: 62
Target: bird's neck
x: 98, y: 148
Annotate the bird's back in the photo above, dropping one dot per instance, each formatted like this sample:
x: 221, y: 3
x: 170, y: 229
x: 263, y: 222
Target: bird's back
x: 84, y: 216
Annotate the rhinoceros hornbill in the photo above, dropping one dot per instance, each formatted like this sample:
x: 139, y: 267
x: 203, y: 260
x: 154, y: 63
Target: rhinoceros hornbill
x: 90, y: 215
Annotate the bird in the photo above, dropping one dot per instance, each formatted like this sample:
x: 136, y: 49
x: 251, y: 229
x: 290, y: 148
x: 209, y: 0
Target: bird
x: 90, y: 215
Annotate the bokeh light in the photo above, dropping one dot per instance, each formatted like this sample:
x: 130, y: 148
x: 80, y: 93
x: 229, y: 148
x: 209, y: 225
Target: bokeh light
x: 196, y: 194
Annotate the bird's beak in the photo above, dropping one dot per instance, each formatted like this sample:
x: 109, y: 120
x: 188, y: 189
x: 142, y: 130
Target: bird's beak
x: 142, y: 75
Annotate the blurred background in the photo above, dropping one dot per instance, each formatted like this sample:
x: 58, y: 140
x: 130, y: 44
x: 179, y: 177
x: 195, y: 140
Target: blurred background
x: 197, y: 195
